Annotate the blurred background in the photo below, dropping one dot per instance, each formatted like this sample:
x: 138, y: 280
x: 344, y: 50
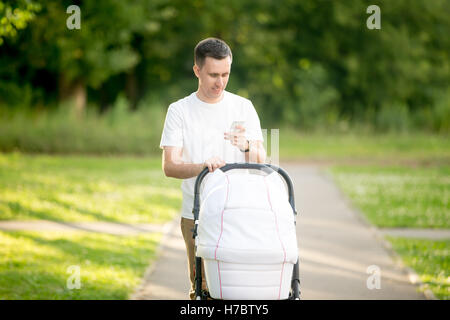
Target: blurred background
x: 306, y: 65
x: 82, y: 111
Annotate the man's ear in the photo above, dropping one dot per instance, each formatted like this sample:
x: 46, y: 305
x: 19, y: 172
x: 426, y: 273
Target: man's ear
x: 196, y: 70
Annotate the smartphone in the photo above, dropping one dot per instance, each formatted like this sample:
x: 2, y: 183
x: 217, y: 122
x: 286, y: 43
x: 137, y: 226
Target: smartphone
x: 235, y: 124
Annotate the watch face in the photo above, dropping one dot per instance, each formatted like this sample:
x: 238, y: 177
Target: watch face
x: 248, y: 148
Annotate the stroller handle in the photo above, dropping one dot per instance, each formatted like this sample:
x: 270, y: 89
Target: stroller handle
x: 267, y: 168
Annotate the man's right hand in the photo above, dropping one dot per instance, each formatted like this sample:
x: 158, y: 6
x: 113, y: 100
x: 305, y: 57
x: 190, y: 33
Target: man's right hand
x: 214, y: 163
x: 174, y: 166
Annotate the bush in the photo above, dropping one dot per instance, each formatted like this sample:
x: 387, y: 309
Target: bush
x: 441, y: 113
x: 317, y: 100
x: 393, y: 118
x: 119, y: 131
x: 435, y: 118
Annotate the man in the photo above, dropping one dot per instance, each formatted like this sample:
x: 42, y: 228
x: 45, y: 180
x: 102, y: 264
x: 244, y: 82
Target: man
x: 197, y: 132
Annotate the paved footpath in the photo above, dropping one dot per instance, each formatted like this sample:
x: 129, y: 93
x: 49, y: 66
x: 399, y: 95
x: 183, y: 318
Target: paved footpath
x: 336, y: 248
x: 167, y: 278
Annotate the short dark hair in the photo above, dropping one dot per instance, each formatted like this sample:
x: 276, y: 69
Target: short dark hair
x: 211, y: 47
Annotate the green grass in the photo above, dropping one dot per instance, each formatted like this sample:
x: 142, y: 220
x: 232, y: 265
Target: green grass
x: 75, y: 188
x: 413, y: 197
x: 431, y: 261
x: 410, y: 197
x: 35, y: 265
x: 376, y: 148
x: 134, y: 190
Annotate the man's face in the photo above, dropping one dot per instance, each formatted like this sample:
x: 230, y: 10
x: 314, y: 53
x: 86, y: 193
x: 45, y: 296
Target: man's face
x: 213, y: 77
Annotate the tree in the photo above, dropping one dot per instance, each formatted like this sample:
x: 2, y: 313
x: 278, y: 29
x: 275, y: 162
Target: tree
x: 14, y: 16
x: 89, y: 56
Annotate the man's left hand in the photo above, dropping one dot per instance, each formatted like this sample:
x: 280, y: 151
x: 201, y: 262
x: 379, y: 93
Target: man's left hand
x: 237, y: 138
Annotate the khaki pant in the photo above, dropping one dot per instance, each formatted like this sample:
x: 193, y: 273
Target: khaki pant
x: 187, y: 229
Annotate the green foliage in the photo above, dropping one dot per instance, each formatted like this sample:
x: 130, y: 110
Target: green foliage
x: 97, y: 51
x: 316, y: 99
x: 118, y: 131
x: 393, y: 117
x: 307, y: 64
x: 434, y: 117
x: 15, y: 15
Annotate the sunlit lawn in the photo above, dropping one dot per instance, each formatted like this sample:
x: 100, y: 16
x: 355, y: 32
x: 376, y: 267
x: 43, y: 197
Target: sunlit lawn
x: 36, y: 265
x: 430, y: 259
x: 412, y: 197
x: 379, y: 148
x: 76, y: 188
x: 134, y: 190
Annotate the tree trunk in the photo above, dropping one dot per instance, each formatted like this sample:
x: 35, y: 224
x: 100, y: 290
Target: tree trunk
x: 73, y: 92
x: 79, y: 96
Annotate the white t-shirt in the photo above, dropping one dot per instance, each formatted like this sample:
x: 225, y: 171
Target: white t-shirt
x: 199, y: 128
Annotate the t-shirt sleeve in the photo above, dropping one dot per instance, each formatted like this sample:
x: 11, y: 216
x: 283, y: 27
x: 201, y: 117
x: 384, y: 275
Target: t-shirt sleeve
x: 253, y: 129
x: 172, y: 135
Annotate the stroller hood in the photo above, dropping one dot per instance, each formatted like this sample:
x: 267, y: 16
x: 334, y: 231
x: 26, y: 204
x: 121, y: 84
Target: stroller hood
x: 246, y: 218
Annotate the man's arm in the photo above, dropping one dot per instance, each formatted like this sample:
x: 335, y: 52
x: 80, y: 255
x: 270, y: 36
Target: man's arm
x: 256, y: 152
x: 175, y: 167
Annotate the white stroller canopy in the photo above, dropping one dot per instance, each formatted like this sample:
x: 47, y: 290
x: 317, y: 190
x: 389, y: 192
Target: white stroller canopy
x: 246, y: 218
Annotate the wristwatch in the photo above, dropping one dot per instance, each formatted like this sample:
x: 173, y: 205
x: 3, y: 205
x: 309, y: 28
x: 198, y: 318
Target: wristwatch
x: 248, y: 148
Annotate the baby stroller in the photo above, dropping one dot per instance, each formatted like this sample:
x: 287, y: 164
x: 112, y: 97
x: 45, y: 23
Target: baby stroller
x: 245, y: 234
